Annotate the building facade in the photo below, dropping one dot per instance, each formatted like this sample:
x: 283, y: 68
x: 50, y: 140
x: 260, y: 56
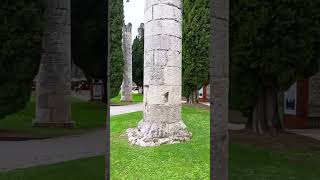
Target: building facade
x: 302, y: 104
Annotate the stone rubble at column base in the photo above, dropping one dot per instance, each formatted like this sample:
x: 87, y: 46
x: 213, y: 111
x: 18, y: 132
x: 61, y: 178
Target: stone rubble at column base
x: 154, y: 134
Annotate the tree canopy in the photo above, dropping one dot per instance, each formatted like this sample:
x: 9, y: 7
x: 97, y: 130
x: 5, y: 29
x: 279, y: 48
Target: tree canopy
x: 21, y: 29
x: 273, y: 43
x: 195, y: 47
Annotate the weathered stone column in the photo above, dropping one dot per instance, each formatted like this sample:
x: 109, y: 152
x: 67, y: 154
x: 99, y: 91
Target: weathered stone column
x: 126, y: 87
x: 54, y: 77
x: 161, y: 122
x: 219, y: 95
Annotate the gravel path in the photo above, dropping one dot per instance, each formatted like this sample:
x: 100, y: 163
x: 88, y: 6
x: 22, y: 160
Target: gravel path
x: 116, y: 110
x: 24, y: 154
x: 313, y: 133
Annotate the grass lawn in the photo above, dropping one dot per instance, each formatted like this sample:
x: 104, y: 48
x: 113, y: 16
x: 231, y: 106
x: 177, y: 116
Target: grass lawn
x: 252, y: 157
x: 136, y: 98
x: 84, y: 169
x: 87, y: 115
x: 181, y: 161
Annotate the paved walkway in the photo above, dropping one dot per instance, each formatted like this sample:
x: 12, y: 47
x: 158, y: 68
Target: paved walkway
x: 313, y: 133
x: 23, y: 154
x: 116, y: 110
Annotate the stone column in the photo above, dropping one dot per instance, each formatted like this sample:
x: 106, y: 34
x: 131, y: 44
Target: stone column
x: 53, y: 87
x: 219, y: 95
x: 162, y: 123
x: 126, y: 87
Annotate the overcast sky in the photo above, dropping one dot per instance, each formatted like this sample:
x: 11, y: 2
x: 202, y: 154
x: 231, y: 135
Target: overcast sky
x: 134, y: 13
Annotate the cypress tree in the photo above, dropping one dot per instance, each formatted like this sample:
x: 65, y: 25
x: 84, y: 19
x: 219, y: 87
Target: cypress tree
x: 21, y: 28
x: 116, y: 65
x: 137, y: 59
x: 89, y: 37
x: 195, y: 47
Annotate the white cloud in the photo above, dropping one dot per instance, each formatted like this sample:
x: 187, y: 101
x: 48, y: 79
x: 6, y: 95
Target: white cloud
x: 134, y: 13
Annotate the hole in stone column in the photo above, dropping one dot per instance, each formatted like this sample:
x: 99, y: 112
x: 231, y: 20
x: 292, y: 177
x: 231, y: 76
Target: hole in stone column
x: 166, y: 97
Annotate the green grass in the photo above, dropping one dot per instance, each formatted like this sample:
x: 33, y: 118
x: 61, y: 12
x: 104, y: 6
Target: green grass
x: 191, y: 160
x: 248, y: 162
x: 181, y: 161
x: 84, y: 169
x: 87, y: 115
x: 136, y: 98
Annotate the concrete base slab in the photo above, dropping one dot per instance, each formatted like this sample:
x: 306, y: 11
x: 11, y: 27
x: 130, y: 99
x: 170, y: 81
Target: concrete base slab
x: 54, y: 124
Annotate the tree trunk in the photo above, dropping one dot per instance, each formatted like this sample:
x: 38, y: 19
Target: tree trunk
x: 265, y: 116
x: 193, y: 97
x: 162, y: 123
x: 258, y: 115
x: 249, y: 123
x: 280, y: 109
x: 219, y: 91
x: 54, y: 78
x: 272, y: 114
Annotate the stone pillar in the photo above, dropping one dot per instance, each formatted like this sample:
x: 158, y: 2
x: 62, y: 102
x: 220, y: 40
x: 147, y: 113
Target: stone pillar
x: 53, y: 87
x: 219, y: 95
x: 162, y: 123
x: 126, y: 87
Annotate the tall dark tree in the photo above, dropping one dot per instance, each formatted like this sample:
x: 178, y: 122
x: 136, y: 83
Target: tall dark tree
x: 116, y: 66
x: 195, y: 47
x: 137, y: 58
x: 21, y: 29
x: 273, y: 43
x: 89, y: 37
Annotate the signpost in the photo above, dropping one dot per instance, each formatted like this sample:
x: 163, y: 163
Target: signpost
x: 96, y: 90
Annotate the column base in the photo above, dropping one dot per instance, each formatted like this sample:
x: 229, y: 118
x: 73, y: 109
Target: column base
x: 67, y: 125
x: 155, y: 134
x: 126, y: 99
